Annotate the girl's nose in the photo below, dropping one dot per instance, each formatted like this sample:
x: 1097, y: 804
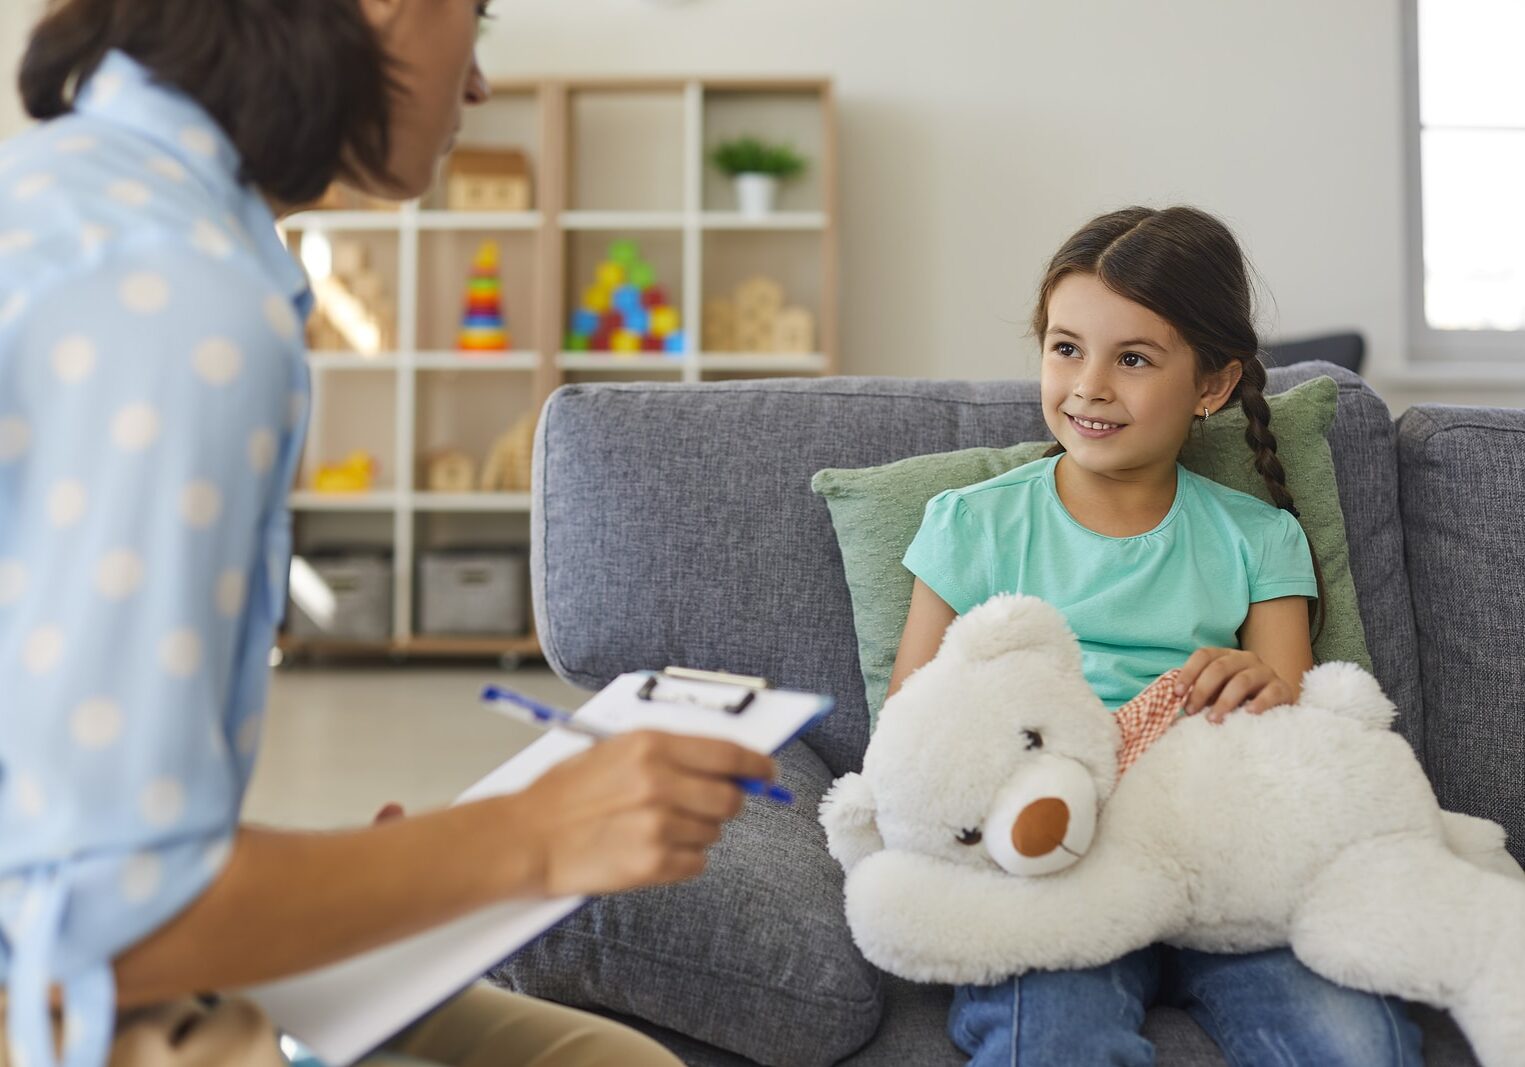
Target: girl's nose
x: 477, y: 89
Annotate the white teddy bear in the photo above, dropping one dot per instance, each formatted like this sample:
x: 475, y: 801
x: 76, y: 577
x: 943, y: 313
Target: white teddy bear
x: 1311, y: 825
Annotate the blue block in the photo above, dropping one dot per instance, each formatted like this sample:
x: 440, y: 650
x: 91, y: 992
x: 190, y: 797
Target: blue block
x: 627, y: 298
x: 490, y: 321
x: 637, y: 321
x: 585, y: 322
x: 673, y: 342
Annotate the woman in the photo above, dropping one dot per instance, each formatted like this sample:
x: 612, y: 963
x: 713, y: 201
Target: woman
x: 153, y: 394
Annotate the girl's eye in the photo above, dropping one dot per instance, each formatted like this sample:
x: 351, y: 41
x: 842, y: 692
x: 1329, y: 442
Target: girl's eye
x: 1065, y: 349
x: 1034, y: 740
x: 1137, y: 360
x: 970, y: 837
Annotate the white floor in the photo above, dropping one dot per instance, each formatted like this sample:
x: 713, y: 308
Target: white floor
x: 341, y: 742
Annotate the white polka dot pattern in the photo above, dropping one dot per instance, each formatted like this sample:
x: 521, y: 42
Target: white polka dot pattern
x: 43, y: 649
x: 15, y: 435
x: 120, y: 574
x: 232, y: 587
x: 200, y: 504
x: 96, y: 723
x: 145, y: 292
x: 141, y: 877
x: 74, y: 359
x: 180, y: 653
x: 66, y: 503
x: 13, y: 581
x: 162, y: 802
x: 218, y: 360
x: 135, y: 427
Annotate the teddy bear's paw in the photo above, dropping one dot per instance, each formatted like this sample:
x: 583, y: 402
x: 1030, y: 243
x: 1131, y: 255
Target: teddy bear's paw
x: 848, y: 815
x: 1345, y: 689
x: 1011, y: 623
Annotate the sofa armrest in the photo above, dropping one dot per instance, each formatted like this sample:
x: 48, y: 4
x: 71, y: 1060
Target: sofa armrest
x: 754, y: 956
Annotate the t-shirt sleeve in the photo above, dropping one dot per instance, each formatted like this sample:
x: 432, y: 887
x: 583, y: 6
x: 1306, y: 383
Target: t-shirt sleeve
x: 1284, y: 562
x: 948, y: 554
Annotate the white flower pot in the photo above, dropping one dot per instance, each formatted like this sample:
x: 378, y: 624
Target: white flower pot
x: 755, y: 194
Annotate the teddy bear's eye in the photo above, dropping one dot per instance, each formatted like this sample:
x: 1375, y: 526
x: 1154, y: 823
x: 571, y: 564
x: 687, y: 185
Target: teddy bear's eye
x: 970, y: 837
x: 1034, y: 739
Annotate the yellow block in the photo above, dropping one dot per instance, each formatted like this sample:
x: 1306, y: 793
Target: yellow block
x: 595, y: 298
x: 626, y: 341
x: 610, y: 275
x: 664, y: 320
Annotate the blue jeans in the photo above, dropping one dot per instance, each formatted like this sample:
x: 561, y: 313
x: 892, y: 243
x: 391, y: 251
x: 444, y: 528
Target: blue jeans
x: 1263, y: 1008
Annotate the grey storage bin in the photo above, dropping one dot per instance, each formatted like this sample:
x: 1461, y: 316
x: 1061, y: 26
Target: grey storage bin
x: 351, y: 599
x: 481, y: 592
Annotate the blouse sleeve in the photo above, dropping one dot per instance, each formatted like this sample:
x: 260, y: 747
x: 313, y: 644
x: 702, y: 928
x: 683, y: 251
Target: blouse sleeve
x: 1285, y: 563
x: 948, y: 555
x: 141, y: 406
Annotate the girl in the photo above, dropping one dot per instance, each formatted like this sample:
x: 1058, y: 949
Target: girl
x: 1145, y: 321
x: 153, y: 394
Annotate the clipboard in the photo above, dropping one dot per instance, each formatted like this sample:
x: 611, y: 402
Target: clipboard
x: 344, y: 1010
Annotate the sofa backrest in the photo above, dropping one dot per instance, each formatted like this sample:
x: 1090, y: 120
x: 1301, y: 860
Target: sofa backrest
x: 674, y: 524
x: 1463, y: 492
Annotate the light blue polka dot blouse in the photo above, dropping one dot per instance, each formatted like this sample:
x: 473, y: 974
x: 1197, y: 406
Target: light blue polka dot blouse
x: 153, y: 395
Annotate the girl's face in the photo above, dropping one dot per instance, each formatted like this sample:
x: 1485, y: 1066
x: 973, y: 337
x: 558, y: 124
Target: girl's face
x: 433, y: 44
x: 1120, y: 387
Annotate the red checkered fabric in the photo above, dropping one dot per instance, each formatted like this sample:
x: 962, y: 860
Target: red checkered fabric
x: 1145, y: 718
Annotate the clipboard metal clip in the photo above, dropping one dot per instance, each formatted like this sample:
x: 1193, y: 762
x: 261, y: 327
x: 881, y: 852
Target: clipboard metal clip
x: 750, y: 685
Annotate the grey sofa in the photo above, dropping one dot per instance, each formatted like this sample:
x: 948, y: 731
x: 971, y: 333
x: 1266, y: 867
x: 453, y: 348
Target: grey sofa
x: 675, y: 524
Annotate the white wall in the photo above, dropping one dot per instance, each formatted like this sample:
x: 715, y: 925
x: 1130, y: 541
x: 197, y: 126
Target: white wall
x: 15, y: 18
x: 977, y: 134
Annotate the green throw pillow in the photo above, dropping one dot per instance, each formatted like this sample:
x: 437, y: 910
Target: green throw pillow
x: 877, y: 511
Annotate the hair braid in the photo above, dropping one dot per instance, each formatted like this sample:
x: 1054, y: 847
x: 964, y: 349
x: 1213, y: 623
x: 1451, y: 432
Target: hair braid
x: 1258, y: 435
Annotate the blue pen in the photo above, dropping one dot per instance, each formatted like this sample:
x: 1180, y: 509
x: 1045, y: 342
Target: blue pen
x: 502, y: 700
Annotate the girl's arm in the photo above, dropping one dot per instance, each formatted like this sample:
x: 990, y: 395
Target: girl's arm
x: 925, y: 624
x: 1264, y: 672
x: 641, y: 809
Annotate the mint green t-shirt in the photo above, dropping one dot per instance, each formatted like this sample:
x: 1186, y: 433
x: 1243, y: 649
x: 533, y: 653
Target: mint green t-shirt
x: 1139, y: 605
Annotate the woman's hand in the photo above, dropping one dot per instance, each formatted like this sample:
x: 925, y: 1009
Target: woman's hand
x: 640, y: 809
x: 1219, y: 680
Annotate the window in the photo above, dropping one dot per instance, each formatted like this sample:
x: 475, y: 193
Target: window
x: 1467, y: 177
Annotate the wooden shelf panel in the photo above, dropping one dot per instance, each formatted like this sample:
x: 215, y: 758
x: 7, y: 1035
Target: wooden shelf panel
x: 480, y: 220
x: 614, y: 361
x: 779, y: 220
x: 309, y: 500
x: 419, y: 645
x: 473, y: 361
x: 428, y: 501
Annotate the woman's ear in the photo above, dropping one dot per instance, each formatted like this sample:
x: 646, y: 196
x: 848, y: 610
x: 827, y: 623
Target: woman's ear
x: 1219, y: 385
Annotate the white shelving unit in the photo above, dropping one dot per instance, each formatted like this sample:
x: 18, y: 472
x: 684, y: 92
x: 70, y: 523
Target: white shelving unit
x: 675, y: 203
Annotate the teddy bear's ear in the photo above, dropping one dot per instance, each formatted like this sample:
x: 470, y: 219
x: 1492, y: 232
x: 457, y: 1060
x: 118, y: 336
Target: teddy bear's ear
x: 1011, y: 623
x: 1345, y: 689
x: 848, y: 814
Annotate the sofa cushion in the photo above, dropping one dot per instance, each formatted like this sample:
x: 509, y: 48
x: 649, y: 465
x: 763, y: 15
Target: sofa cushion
x: 876, y: 512
x: 753, y: 957
x: 1463, y: 483
x: 675, y: 524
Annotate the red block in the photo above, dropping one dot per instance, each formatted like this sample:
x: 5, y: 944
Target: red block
x: 602, y: 340
x: 610, y: 321
x: 655, y: 296
x: 651, y: 343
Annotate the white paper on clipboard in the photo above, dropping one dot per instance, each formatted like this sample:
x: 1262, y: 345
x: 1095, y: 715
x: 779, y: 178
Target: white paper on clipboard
x: 346, y: 1009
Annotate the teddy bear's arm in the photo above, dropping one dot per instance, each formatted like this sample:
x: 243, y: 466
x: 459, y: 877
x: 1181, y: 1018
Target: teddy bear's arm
x: 934, y: 921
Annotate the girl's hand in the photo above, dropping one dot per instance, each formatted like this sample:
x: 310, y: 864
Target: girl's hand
x: 1220, y: 680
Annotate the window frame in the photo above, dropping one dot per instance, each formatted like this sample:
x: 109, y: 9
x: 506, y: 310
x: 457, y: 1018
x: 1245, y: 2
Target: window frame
x: 1501, y: 350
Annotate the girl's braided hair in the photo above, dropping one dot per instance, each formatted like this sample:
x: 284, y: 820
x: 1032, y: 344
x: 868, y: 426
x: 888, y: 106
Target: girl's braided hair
x: 1186, y: 267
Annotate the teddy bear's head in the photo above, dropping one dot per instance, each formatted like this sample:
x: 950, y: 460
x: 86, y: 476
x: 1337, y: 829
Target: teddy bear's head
x: 996, y: 754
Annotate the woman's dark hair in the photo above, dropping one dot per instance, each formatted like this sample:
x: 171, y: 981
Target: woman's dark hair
x: 1186, y: 267
x: 303, y: 88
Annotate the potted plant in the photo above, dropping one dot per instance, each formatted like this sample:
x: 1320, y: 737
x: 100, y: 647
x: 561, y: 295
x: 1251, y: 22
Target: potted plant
x: 757, y: 168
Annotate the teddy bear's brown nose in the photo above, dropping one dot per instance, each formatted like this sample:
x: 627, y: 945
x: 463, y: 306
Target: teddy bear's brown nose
x: 1040, y: 827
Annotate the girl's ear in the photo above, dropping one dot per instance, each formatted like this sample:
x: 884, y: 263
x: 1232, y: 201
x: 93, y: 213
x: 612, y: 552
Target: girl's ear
x: 1219, y: 385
